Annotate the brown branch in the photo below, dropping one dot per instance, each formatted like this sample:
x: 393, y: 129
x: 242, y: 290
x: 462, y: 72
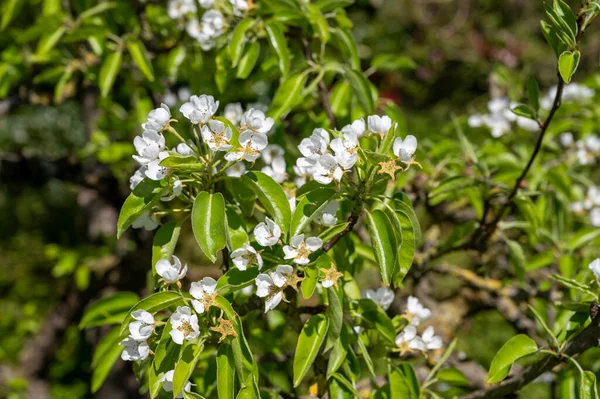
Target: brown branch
x: 351, y: 223
x: 587, y: 339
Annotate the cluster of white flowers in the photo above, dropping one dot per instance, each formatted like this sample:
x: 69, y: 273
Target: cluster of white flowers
x: 591, y: 205
x: 500, y: 118
x: 587, y: 149
x: 135, y: 345
x: 574, y: 93
x: 212, y: 24
x: 408, y: 339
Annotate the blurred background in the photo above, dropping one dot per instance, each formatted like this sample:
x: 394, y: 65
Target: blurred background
x: 65, y: 152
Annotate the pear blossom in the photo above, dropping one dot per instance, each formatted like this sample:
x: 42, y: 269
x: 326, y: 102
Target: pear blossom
x: 573, y: 92
x: 379, y: 124
x: 246, y: 256
x: 184, y: 149
x: 171, y: 272
x: 199, y: 109
x: 143, y: 326
x: 267, y: 233
x: 408, y: 340
x: 256, y: 121
x: 270, y: 286
x: 170, y: 98
x: 303, y: 173
x: 234, y: 113
x: 179, y: 8
x: 595, y: 217
x: 566, y: 139
x: 345, y: 150
x: 134, y: 350
x: 272, y: 153
x: 313, y: 147
x: 239, y: 6
x: 206, y: 3
x: 202, y: 36
x: 431, y: 340
x: 236, y: 170
x: 327, y: 217
x: 384, y: 296
x: 356, y: 128
x: 155, y: 171
x: 300, y: 249
x: 212, y: 23
x: 176, y: 190
x: 184, y: 325
x: 148, y: 146
x: 137, y: 177
x: 404, y: 149
x: 290, y: 194
x: 147, y: 221
x: 328, y: 170
x: 203, y: 293
x: 594, y: 266
x: 276, y: 170
x: 216, y: 135
x: 415, y: 312
x: 158, y: 118
x: 167, y: 384
x: 251, y: 144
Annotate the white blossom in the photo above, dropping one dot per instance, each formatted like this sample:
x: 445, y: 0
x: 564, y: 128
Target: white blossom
x: 327, y: 217
x: 212, y: 23
x: 595, y: 217
x: 147, y: 221
x: 356, y: 128
x: 239, y: 6
x: 416, y: 312
x: 276, y: 170
x: 206, y: 3
x: 291, y: 197
x: 246, y: 256
x: 176, y: 190
x: 384, y: 296
x: 595, y: 267
x: 409, y: 340
x: 202, y: 292
x: 171, y: 272
x: 148, y: 146
x: 300, y: 250
x: 267, y: 233
x: 313, y: 147
x: 184, y: 325
x: 328, y: 170
x: 183, y: 149
x: 573, y: 92
x: 431, y: 340
x: 216, y: 135
x: 566, y: 139
x: 167, y: 384
x: 143, y: 326
x: 158, y: 118
x: 137, y: 177
x: 197, y: 31
x: 256, y: 120
x: 379, y: 124
x: 345, y: 150
x: 236, y: 170
x: 271, y: 153
x: 200, y: 108
x: 251, y: 144
x: 404, y: 149
x: 134, y: 350
x: 179, y: 8
x: 155, y: 171
x: 270, y: 286
x: 233, y: 112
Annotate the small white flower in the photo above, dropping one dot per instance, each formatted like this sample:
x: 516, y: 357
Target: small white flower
x: 171, y: 272
x: 595, y: 217
x: 155, y: 171
x: 345, y: 150
x: 475, y: 121
x: 256, y: 120
x: 170, y: 98
x: 271, y: 285
x: 300, y: 250
x: 291, y: 197
x: 239, y: 6
x: 303, y: 173
x: 203, y: 292
x: 327, y: 217
x: 356, y: 128
x: 408, y: 340
x: 212, y: 23
x: 137, y: 177
x: 184, y: 149
x: 184, y: 325
x: 276, y: 170
x: 246, y: 256
x: 179, y: 8
x: 167, y: 384
x: 236, y: 170
x: 148, y: 146
x: 404, y: 149
x: 592, y: 143
x: 146, y: 221
x: 595, y: 267
x: 206, y: 3
x: 195, y: 30
x: 527, y: 124
x: 267, y: 233
x: 251, y: 144
x: 416, y: 312
x: 200, y: 108
x: 384, y: 297
x: 313, y: 147
x: 143, y: 326
x: 134, y: 350
x: 431, y: 340
x: 234, y: 113
x: 566, y: 139
x: 176, y: 190
x: 216, y: 135
x: 379, y: 124
x: 328, y: 170
x: 158, y: 118
x: 271, y: 153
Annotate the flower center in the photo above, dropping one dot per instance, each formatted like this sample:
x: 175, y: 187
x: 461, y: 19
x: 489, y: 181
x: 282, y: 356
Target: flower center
x: 303, y: 252
x: 186, y: 328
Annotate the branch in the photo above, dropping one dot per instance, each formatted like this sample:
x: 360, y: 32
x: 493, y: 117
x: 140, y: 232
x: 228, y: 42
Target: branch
x: 352, y: 219
x: 587, y: 339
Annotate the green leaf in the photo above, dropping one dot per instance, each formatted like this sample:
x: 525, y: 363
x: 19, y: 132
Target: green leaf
x: 238, y: 40
x: 551, y: 37
x: 567, y: 64
x: 311, y: 277
x: 317, y: 21
x: 372, y: 313
x: 225, y: 372
x: 331, y: 5
x: 138, y: 52
x: 310, y: 340
x: 365, y: 355
x: 453, y: 376
x: 516, y: 347
x: 47, y: 42
x: 533, y: 92
x: 109, y: 310
x: 248, y: 61
x: 272, y: 197
x: 209, y: 223
x: 185, y: 366
x: 107, y: 353
x: 392, y: 62
x: 567, y: 16
x: 287, y: 95
x: 308, y: 207
x: 403, y: 382
x: 338, y: 353
x: 451, y: 184
x: 588, y: 389
x: 95, y: 10
x: 525, y: 111
x: 347, y: 45
x: 384, y: 243
x: 339, y: 382
x: 340, y: 98
x: 249, y: 389
x: 583, y: 238
x: 517, y: 257
x: 335, y: 311
x: 9, y: 9
x: 166, y: 355
x: 236, y: 279
x: 279, y: 45
x: 404, y: 205
x: 109, y: 71
x: 154, y: 303
x: 360, y: 87
x: 165, y: 241
x: 573, y: 284
x: 540, y: 320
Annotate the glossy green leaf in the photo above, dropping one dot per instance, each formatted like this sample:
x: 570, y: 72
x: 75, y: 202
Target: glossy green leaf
x: 392, y: 62
x: 567, y: 64
x: 331, y: 5
x: 165, y: 241
x: 566, y: 15
x: 317, y: 21
x: 209, y: 223
x: 573, y: 284
x: 383, y: 241
x: 347, y: 45
x: 139, y: 54
x: 361, y: 90
x: 48, y: 41
x: 108, y: 352
x: 279, y: 45
x: 166, y: 355
x: 309, y: 283
x: 154, y: 303
x: 335, y: 311
x: 190, y: 354
x: 403, y: 382
x: 109, y: 71
x: 525, y: 111
x: 225, y: 372
x: 583, y: 238
x: 236, y: 279
x: 248, y: 61
x: 109, y: 310
x: 308, y: 207
x: 533, y: 93
x: 369, y: 311
x: 588, y: 389
x: 310, y: 340
x: 238, y: 40
x: 516, y: 347
x: 338, y: 352
x: 287, y: 95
